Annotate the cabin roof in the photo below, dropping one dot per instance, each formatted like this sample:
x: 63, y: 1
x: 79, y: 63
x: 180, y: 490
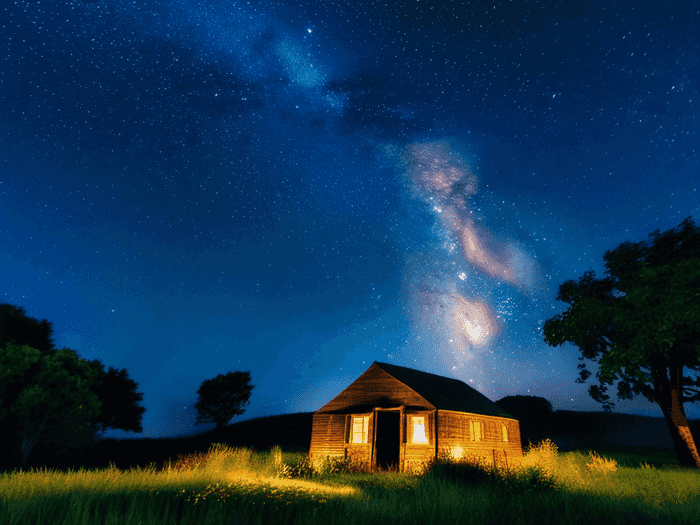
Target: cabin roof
x: 443, y: 393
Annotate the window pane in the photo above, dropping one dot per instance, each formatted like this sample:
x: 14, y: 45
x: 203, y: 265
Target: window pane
x: 357, y: 430
x: 476, y: 430
x: 504, y: 429
x: 419, y: 430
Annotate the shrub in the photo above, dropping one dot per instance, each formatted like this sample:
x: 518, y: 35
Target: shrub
x: 527, y: 480
x: 476, y: 471
x: 299, y: 468
x: 339, y: 465
x: 533, y: 473
x: 463, y: 472
x: 600, y: 464
x: 417, y: 468
x: 541, y: 456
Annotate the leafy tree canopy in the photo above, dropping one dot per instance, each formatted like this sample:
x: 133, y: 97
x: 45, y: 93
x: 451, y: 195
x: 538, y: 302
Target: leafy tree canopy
x: 24, y: 369
x: 526, y: 408
x: 120, y: 400
x: 58, y: 395
x: 222, y: 398
x: 18, y: 328
x: 642, y: 322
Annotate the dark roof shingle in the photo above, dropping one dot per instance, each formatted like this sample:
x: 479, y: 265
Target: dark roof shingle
x: 443, y: 392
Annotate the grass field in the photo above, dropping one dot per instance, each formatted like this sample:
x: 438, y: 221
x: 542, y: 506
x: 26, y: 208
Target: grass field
x: 237, y: 486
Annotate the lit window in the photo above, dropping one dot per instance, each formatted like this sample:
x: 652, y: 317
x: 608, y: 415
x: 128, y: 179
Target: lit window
x: 477, y: 430
x: 419, y: 430
x: 359, y: 429
x: 504, y: 431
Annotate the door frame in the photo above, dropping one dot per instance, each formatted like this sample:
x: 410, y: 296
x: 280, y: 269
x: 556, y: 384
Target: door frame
x: 402, y: 449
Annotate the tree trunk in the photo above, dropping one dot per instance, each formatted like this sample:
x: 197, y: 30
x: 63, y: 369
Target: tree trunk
x: 27, y: 443
x: 680, y: 431
x: 9, y: 443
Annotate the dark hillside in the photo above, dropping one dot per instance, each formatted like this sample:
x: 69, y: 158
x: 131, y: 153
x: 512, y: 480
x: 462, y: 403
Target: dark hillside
x: 292, y: 432
x: 570, y: 430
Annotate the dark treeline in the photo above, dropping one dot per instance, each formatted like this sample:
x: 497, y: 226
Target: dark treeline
x: 54, y: 405
x: 28, y: 357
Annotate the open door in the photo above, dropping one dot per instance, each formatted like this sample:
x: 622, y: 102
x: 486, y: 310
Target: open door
x: 388, y: 445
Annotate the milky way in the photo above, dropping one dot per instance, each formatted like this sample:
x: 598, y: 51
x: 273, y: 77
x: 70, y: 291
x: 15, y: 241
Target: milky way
x: 451, y: 308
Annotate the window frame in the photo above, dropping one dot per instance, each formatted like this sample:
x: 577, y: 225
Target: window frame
x: 365, y: 429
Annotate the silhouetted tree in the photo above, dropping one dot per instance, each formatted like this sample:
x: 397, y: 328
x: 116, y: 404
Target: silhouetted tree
x: 57, y: 395
x: 120, y: 407
x: 117, y: 393
x: 643, y: 319
x: 222, y: 398
x: 527, y: 408
x: 18, y: 328
x: 534, y: 415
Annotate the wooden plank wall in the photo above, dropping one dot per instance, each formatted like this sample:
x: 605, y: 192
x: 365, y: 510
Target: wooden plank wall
x: 359, y: 453
x: 328, y: 435
x: 455, y: 430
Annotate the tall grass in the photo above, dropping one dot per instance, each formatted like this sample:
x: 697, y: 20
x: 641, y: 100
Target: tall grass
x: 236, y: 486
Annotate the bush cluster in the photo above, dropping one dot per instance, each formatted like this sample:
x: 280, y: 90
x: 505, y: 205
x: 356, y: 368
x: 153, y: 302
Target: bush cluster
x: 302, y: 467
x: 337, y: 465
x: 534, y: 474
x: 473, y: 472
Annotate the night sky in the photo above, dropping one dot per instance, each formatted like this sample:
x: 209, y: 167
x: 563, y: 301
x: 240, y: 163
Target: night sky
x: 298, y: 189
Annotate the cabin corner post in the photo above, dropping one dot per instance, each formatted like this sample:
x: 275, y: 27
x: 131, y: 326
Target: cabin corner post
x: 346, y: 434
x: 372, y: 453
x: 402, y: 446
x: 435, y: 429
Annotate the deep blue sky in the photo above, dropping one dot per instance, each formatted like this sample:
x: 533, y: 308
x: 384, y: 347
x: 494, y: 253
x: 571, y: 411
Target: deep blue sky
x: 189, y: 188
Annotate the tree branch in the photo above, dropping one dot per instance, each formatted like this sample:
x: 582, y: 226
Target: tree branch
x: 650, y: 394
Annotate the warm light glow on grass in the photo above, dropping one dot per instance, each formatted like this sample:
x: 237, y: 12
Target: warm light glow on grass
x: 258, y: 488
x: 244, y: 478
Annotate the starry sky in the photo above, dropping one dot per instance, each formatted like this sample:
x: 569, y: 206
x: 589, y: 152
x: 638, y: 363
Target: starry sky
x: 298, y: 189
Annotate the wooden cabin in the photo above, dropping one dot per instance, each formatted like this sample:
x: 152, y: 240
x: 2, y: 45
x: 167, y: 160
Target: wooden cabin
x: 396, y: 416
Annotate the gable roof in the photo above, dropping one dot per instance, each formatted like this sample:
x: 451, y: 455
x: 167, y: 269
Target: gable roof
x: 440, y: 392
